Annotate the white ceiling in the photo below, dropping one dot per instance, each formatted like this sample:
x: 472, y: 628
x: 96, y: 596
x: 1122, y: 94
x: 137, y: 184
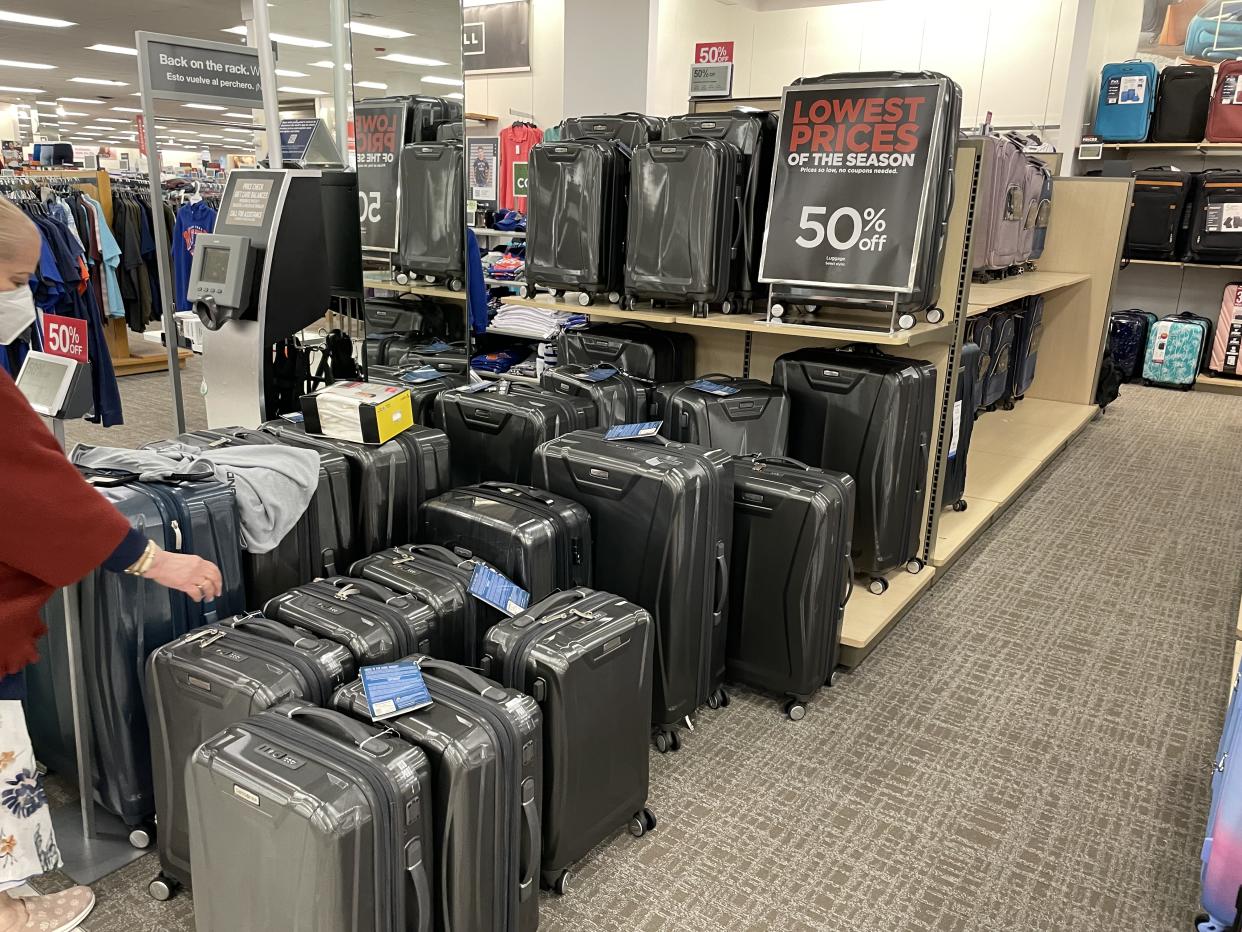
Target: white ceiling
x: 435, y: 23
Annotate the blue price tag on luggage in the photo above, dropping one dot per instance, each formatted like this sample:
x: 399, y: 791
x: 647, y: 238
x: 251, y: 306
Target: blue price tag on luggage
x: 633, y: 431
x: 476, y: 388
x: 598, y: 374
x: 296, y: 418
x: 437, y: 347
x: 715, y: 388
x: 394, y: 689
x: 498, y: 591
x: 417, y: 376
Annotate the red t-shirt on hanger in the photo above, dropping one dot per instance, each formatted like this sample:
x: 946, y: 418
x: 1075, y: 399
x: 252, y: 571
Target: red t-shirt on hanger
x: 516, y: 141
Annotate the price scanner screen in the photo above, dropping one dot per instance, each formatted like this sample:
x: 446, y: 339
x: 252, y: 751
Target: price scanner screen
x: 41, y: 381
x: 215, y: 265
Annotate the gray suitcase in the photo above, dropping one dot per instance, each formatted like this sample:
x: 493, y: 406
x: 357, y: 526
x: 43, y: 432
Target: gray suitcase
x: 217, y: 676
x: 485, y: 744
x: 618, y: 399
x: 753, y: 420
x: 422, y: 393
x: 308, y: 821
x: 586, y: 658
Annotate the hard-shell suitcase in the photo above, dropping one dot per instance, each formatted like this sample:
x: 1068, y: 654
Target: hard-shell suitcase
x: 618, y: 398
x: 578, y: 202
x: 1028, y: 330
x: 754, y: 133
x: 684, y: 234
x: 1043, y: 218
x: 964, y: 410
x: 1158, y: 214
x: 1183, y: 97
x: 306, y: 819
x: 586, y: 658
x: 494, y: 432
x: 1176, y: 348
x: 539, y: 540
x: 388, y: 482
x: 377, y: 624
x: 639, y: 350
x: 1002, y: 204
x: 324, y: 534
x: 1225, y: 114
x: 935, y: 209
x: 449, y: 358
x: 1216, y: 218
x: 1221, y: 876
x: 1127, y: 340
x: 631, y: 129
x: 1227, y: 344
x: 997, y: 375
x: 1127, y: 101
x: 423, y: 392
x: 753, y: 419
x: 214, y: 677
x: 669, y: 508
x: 441, y: 579
x: 485, y: 744
x: 790, y: 579
x: 868, y: 415
x: 431, y: 238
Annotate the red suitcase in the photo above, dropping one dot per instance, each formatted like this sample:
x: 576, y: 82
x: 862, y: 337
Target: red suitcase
x: 1227, y: 345
x: 1225, y: 115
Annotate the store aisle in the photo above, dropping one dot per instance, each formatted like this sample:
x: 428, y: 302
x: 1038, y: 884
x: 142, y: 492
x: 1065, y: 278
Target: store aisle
x: 1028, y: 750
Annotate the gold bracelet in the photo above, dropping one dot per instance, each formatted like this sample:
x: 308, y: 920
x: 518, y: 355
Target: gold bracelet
x: 144, y: 562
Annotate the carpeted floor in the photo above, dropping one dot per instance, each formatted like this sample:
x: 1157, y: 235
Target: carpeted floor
x: 1028, y: 750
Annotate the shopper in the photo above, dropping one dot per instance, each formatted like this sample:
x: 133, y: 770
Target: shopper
x: 56, y: 529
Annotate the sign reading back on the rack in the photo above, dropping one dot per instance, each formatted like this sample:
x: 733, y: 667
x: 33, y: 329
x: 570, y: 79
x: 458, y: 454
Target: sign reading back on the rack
x: 849, y: 192
x: 178, y: 68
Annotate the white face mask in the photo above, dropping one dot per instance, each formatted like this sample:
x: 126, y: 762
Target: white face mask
x: 17, y: 312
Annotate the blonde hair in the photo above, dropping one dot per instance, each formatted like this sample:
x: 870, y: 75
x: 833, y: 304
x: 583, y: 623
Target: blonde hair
x: 15, y: 227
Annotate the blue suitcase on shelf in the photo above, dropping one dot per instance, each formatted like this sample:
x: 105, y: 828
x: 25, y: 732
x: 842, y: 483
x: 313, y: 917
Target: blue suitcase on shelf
x: 1222, y: 844
x: 1127, y: 101
x: 1127, y: 340
x: 1177, y: 348
x: 995, y: 334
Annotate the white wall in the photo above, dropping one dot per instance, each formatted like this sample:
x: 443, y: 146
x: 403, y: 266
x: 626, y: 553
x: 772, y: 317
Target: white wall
x: 606, y: 49
x: 541, y: 90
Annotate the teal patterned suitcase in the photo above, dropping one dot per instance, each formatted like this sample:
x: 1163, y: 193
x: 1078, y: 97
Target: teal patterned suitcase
x: 1175, y: 350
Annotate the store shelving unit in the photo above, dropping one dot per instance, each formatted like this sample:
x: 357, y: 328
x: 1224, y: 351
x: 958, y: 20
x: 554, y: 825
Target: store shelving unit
x: 382, y: 281
x: 1219, y: 385
x: 1179, y: 265
x: 496, y: 234
x: 1207, y: 148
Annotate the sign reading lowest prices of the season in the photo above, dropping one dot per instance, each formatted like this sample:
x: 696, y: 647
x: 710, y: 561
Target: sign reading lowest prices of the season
x: 851, y: 184
x: 379, y: 129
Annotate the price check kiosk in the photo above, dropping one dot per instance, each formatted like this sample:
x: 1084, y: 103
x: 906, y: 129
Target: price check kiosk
x: 260, y: 277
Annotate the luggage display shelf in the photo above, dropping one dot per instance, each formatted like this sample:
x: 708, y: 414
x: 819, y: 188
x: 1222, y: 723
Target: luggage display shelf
x: 1179, y: 265
x: 984, y: 297
x: 499, y: 283
x: 382, y: 281
x: 497, y: 234
x: 1218, y: 385
x: 1204, y: 147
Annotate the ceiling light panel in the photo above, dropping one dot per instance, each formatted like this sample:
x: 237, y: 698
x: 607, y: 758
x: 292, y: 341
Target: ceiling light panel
x: 125, y: 109
x: 32, y: 65
x: 380, y: 32
x: 373, y: 85
x: 412, y: 60
x: 285, y: 73
x: 8, y: 88
x: 26, y: 19
x: 286, y: 39
x: 202, y: 106
x: 114, y: 49
x: 104, y: 81
x: 450, y: 82
x: 302, y: 90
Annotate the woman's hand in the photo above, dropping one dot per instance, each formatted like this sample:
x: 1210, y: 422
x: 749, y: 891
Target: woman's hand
x: 186, y: 573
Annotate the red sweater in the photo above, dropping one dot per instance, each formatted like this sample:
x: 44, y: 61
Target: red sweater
x: 56, y: 528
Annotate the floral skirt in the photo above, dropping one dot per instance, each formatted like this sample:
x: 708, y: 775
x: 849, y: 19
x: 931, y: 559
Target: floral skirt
x: 27, y: 842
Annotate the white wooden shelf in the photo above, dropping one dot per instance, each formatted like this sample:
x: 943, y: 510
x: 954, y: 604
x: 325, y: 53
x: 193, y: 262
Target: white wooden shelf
x: 868, y: 617
x: 497, y: 234
x: 984, y: 297
x: 1218, y: 385
x: 382, y: 281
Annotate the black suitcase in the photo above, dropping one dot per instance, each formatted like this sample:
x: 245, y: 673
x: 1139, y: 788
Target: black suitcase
x: 430, y: 318
x: 586, y: 658
x: 791, y: 578
x: 935, y: 210
x: 963, y: 426
x: 1127, y: 340
x: 440, y: 579
x: 662, y: 519
x: 631, y: 129
x: 422, y: 391
x: 755, y: 419
x: 539, y: 540
x: 377, y: 624
x: 1216, y: 218
x: 1158, y: 214
x: 485, y: 743
x: 754, y: 133
x: 639, y: 350
x: 575, y: 237
x: 424, y: 114
x: 308, y: 819
x: 618, y: 399
x: 431, y: 241
x: 1183, y: 97
x: 494, y: 432
x: 1001, y: 333
x: 870, y: 415
x: 449, y: 358
x: 389, y: 482
x: 312, y: 548
x: 1028, y: 324
x: 685, y: 192
x: 214, y: 677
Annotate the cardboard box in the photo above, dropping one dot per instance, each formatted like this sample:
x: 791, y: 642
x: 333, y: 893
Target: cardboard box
x: 359, y: 411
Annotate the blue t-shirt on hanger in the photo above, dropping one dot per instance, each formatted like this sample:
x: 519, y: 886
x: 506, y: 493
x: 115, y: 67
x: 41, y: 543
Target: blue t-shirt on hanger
x: 192, y: 219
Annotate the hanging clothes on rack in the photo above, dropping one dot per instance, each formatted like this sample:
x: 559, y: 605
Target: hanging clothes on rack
x: 194, y: 217
x: 516, y: 141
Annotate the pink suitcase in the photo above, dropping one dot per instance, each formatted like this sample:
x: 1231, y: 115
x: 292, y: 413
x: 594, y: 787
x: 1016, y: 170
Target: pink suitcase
x: 1228, y: 343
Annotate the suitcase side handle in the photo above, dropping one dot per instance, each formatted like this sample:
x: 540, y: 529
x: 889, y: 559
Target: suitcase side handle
x: 788, y: 461
x: 514, y: 490
x: 366, y: 587
x: 462, y: 676
x: 722, y: 580
x: 530, y: 840
x: 337, y: 725
x: 276, y: 630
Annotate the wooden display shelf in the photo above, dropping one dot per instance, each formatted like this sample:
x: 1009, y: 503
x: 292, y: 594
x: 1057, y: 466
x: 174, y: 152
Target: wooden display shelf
x: 482, y: 117
x: 1183, y: 146
x: 984, y: 297
x: 869, y: 618
x: 500, y: 283
x: 382, y: 281
x: 1218, y: 385
x: 922, y: 333
x: 1177, y: 265
x: 485, y: 231
x: 1007, y: 451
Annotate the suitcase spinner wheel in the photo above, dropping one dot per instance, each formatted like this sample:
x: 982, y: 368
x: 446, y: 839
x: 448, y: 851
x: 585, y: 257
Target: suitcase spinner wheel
x: 795, y: 709
x: 666, y: 739
x: 163, y: 888
x: 935, y: 315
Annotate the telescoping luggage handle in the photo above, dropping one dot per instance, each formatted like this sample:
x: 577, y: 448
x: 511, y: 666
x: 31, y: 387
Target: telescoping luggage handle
x: 516, y: 491
x: 274, y: 630
x: 346, y: 729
